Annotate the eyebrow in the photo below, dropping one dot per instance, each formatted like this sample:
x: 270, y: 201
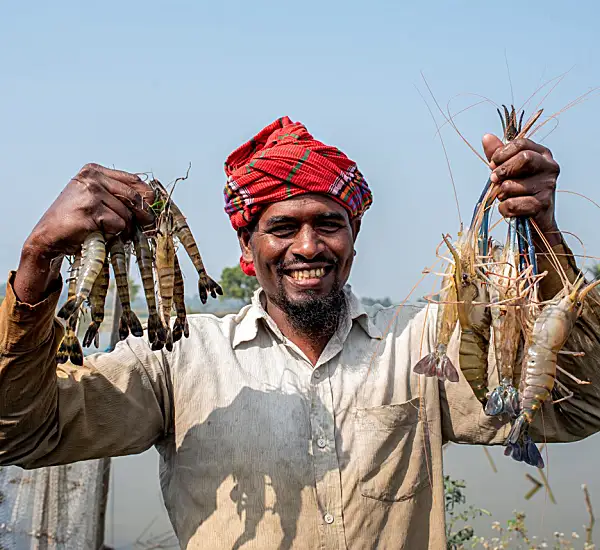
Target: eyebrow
x: 335, y: 216
x: 275, y: 220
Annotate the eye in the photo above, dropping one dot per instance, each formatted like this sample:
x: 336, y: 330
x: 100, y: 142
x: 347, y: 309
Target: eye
x: 578, y: 304
x: 329, y: 227
x: 283, y: 230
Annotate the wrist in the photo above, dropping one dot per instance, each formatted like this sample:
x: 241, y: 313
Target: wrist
x: 550, y: 238
x: 38, y: 269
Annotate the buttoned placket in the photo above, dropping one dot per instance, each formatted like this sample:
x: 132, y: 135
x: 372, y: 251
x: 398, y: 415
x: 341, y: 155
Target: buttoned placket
x: 328, y: 486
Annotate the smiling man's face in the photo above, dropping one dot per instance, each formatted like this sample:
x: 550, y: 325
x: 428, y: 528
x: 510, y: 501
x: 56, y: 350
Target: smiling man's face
x: 302, y: 249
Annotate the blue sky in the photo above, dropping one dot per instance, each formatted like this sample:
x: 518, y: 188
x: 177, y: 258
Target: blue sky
x: 150, y: 86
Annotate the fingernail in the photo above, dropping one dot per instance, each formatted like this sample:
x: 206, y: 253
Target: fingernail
x: 494, y: 177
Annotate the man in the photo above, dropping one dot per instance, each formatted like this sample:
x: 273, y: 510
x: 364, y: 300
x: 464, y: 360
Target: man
x: 296, y: 423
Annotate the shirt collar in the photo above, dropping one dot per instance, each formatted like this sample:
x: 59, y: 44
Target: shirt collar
x: 249, y: 317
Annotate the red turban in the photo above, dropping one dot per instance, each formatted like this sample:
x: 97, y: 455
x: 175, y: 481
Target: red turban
x: 283, y: 160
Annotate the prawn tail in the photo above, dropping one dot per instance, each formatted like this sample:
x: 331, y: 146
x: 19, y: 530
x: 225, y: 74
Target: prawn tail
x: 123, y: 327
x: 91, y: 335
x: 517, y: 430
x: 525, y: 450
x: 156, y: 332
x: 70, y: 349
x: 177, y: 331
x: 70, y: 307
x: 180, y: 328
x: 134, y: 324
x: 169, y: 339
x: 503, y: 400
x: 207, y: 286
x: 62, y: 355
x: 532, y: 455
x: 495, y: 403
x: 427, y: 365
x: 446, y: 370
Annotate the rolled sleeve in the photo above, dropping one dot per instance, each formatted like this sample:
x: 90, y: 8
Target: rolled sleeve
x: 117, y: 403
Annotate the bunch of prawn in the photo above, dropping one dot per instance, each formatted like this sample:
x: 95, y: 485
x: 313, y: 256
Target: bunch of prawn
x: 491, y: 293
x: 155, y: 251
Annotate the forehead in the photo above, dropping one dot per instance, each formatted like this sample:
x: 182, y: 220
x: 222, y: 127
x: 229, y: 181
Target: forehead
x: 303, y: 207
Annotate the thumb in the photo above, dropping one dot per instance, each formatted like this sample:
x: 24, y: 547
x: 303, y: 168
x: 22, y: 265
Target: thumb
x: 491, y: 144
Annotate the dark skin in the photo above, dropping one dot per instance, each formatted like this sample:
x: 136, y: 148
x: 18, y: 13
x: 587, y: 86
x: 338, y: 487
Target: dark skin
x: 97, y: 198
x: 527, y: 174
x: 302, y: 233
x: 316, y: 230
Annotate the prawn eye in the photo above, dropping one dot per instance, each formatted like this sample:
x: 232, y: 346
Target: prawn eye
x: 578, y: 304
x: 465, y: 277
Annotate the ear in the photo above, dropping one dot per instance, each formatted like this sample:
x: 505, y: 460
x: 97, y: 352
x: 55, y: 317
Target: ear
x: 355, y: 224
x: 244, y: 237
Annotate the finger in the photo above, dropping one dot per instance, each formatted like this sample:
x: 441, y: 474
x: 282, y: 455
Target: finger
x: 520, y: 188
x: 114, y: 204
x: 119, y: 175
x: 109, y: 222
x: 491, y: 144
x: 520, y: 206
x: 129, y: 197
x: 512, y: 148
x: 524, y: 164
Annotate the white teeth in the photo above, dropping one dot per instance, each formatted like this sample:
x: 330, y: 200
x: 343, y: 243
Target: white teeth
x: 301, y: 274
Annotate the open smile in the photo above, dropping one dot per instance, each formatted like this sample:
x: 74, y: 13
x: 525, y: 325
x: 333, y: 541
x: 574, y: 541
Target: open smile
x: 308, y: 277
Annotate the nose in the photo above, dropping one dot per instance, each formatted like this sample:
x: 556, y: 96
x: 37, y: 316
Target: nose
x: 307, y: 243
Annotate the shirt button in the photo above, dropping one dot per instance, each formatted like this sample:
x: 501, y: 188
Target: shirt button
x: 321, y: 442
x: 328, y: 518
x: 317, y: 374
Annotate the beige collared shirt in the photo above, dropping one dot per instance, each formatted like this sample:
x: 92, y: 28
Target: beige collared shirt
x: 258, y: 448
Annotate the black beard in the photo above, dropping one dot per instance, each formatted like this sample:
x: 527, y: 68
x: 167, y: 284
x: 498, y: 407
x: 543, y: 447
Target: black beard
x: 314, y: 316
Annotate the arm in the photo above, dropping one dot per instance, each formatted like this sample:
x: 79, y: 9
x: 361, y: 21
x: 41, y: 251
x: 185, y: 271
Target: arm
x: 526, y: 174
x: 118, y: 403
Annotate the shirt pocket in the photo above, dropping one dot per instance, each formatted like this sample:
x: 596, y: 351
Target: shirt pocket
x: 393, y: 447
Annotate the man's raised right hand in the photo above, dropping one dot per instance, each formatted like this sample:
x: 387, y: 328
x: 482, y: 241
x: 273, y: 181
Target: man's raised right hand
x: 96, y: 199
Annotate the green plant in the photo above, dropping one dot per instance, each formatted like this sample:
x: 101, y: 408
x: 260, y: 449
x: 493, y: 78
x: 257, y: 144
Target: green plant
x: 236, y: 284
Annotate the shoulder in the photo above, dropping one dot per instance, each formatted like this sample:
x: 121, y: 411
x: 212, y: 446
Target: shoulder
x: 395, y: 319
x: 225, y: 326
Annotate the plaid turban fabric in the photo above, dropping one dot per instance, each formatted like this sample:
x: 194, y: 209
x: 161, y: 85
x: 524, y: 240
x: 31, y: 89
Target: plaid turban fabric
x: 282, y: 161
